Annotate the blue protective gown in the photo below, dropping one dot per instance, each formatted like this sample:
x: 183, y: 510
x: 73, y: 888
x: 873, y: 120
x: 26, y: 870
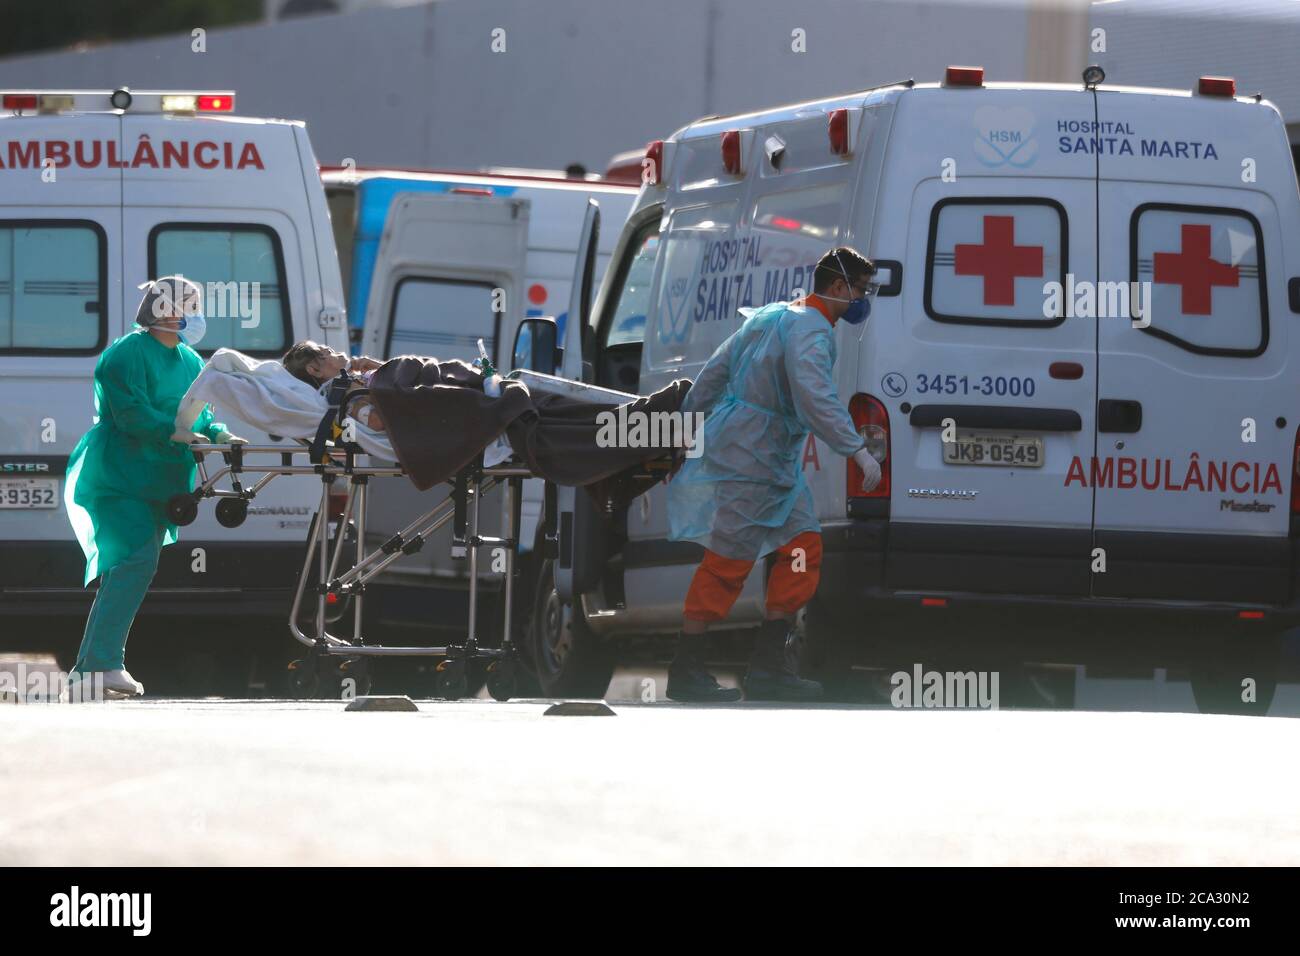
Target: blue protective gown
x: 764, y: 389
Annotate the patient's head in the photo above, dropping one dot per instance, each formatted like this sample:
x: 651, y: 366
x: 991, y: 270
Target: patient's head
x: 314, y: 363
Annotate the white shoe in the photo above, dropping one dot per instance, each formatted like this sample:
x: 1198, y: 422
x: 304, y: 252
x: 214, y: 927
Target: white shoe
x: 86, y: 687
x: 119, y: 683
x: 139, y: 688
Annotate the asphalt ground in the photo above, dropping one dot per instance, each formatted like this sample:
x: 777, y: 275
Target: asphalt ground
x: 214, y: 782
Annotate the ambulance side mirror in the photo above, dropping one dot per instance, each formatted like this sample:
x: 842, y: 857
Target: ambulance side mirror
x: 535, y: 345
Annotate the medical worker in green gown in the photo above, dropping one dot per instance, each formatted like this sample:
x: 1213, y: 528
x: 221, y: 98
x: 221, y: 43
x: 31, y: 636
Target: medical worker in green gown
x: 130, y: 462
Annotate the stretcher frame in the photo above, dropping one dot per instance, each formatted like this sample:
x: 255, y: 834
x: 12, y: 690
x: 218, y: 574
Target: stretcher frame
x: 339, y: 462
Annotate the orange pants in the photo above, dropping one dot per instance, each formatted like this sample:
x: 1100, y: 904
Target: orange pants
x: 718, y: 581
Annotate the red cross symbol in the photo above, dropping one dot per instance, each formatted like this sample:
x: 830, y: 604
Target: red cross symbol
x: 1000, y: 261
x: 1194, y: 270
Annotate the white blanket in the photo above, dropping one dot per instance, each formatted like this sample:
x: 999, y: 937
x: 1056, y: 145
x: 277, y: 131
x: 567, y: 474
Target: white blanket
x: 268, y: 397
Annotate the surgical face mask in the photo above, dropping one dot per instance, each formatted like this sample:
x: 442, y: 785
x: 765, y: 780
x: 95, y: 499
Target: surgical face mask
x: 192, y: 329
x: 857, y: 311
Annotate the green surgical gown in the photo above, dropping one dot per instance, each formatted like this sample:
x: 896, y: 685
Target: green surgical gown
x: 125, y: 468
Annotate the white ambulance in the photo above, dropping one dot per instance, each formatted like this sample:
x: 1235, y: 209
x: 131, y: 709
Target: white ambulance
x: 1063, y: 462
x: 99, y: 192
x: 434, y: 261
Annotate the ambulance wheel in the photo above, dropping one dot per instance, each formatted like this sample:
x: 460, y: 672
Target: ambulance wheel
x: 569, y: 659
x: 501, y: 682
x: 356, y: 670
x: 450, y: 682
x: 182, y: 509
x: 231, y: 512
x: 1236, y: 674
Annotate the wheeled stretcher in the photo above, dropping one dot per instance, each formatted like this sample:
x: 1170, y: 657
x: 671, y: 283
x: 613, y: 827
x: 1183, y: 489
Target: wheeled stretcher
x: 336, y: 569
x: 329, y: 575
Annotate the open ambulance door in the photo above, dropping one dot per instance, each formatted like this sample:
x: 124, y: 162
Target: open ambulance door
x: 578, y: 527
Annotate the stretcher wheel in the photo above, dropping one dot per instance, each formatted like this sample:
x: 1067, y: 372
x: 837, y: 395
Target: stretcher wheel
x: 356, y: 669
x: 502, y: 681
x: 303, y: 679
x: 450, y: 682
x: 182, y: 509
x: 231, y: 512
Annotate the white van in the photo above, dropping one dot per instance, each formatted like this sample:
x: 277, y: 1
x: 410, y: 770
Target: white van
x: 1099, y: 471
x: 435, y: 261
x: 99, y: 192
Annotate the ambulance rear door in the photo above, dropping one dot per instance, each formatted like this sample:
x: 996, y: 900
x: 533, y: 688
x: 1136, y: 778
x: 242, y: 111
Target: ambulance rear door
x: 1197, y: 409
x: 988, y: 381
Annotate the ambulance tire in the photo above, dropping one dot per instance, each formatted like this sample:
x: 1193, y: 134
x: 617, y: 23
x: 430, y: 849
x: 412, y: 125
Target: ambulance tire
x: 1225, y: 664
x: 569, y: 659
x: 825, y: 653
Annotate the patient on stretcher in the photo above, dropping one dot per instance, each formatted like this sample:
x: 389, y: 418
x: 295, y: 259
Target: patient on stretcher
x: 318, y: 365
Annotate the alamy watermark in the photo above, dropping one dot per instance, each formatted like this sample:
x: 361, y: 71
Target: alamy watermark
x: 944, y: 689
x: 47, y: 685
x: 221, y: 300
x: 1098, y: 300
x: 634, y: 428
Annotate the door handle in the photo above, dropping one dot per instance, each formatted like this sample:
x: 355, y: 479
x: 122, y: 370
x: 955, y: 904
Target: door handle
x: 1119, y: 415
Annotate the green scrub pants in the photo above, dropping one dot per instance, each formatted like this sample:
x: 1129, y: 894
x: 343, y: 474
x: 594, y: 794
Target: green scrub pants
x: 121, y: 591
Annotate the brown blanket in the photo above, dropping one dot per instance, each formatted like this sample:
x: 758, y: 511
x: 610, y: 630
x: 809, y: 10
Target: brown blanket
x: 438, y: 416
x: 439, y: 420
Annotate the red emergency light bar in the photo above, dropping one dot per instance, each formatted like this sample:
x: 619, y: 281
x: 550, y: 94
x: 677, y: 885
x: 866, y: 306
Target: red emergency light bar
x: 216, y: 103
x: 964, y: 76
x: 838, y: 129
x: 98, y: 101
x: 653, y: 173
x: 1217, y: 86
x: 731, y: 151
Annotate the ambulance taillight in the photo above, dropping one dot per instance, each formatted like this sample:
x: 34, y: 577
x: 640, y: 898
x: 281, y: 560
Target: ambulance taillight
x: 872, y: 422
x: 20, y: 101
x: 1217, y: 86
x: 964, y: 76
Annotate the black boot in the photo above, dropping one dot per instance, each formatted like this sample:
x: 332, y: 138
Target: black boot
x: 689, y: 681
x: 771, y: 675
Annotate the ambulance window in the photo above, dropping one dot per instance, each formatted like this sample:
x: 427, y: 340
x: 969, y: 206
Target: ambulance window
x: 627, y: 322
x: 793, y: 230
x: 703, y: 282
x: 1200, y: 271
x: 52, y: 287
x: 989, y: 260
x: 442, y: 317
x: 241, y: 270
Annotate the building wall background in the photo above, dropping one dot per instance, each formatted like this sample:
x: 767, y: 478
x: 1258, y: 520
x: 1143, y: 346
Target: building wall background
x: 418, y: 84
